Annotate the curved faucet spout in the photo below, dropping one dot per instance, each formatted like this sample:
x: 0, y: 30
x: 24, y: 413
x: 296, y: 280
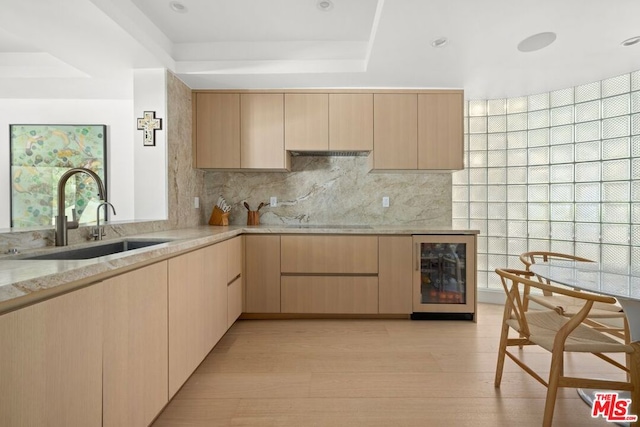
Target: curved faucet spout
x: 62, y: 225
x: 98, y: 232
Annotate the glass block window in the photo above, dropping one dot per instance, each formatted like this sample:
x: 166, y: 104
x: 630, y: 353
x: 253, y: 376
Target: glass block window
x: 557, y: 171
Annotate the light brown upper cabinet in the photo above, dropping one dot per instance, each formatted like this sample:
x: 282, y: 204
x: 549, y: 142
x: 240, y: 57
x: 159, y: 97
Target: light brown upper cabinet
x: 217, y: 130
x: 395, y: 131
x: 306, y: 121
x: 440, y: 131
x: 262, y: 131
x: 405, y: 130
x: 328, y: 122
x: 351, y: 122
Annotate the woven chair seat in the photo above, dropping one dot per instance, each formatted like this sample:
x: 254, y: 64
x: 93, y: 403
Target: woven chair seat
x: 568, y: 306
x: 545, y: 324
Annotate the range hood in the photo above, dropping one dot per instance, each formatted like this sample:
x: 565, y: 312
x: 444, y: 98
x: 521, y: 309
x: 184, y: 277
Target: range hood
x: 330, y: 153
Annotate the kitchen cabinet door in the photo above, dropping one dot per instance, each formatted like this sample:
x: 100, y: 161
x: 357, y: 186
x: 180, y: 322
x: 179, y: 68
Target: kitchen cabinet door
x: 216, y: 274
x: 395, y: 131
x: 197, y: 309
x: 307, y: 254
x: 234, y: 301
x: 440, y: 131
x: 135, y: 346
x: 330, y: 294
x: 51, y: 362
x: 234, y: 258
x: 351, y: 122
x: 235, y: 283
x: 262, y: 258
x: 395, y: 275
x: 306, y: 121
x: 217, y: 130
x: 262, y: 131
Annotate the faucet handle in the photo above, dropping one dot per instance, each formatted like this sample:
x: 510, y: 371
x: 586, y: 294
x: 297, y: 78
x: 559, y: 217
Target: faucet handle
x: 98, y: 233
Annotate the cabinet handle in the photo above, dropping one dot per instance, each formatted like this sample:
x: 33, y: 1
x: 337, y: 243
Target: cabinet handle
x: 417, y: 256
x: 234, y: 279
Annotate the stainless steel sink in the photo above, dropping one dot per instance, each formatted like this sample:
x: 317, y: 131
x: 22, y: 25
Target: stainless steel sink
x: 97, y: 250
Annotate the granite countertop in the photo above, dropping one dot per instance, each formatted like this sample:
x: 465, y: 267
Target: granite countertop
x: 24, y: 282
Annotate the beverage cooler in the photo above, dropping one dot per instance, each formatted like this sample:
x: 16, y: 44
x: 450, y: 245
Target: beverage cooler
x: 444, y: 277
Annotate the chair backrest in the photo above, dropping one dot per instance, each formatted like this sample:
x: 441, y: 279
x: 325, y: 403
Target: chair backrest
x: 531, y: 257
x: 515, y: 306
x: 516, y: 284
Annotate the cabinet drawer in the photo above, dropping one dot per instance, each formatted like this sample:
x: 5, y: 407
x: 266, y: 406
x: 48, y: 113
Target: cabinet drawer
x: 330, y: 254
x: 329, y: 294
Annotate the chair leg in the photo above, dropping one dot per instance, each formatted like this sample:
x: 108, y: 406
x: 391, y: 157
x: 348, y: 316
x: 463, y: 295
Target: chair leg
x: 556, y: 371
x: 504, y: 336
x: 634, y: 378
x: 627, y: 341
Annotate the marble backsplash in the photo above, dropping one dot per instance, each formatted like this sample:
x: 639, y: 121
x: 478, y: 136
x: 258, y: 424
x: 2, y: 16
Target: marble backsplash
x: 184, y: 181
x: 333, y: 190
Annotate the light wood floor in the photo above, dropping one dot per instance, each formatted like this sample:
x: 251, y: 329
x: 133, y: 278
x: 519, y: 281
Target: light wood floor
x: 371, y: 373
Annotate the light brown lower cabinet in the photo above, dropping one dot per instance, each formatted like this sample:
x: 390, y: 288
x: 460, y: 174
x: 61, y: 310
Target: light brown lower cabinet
x: 235, y: 283
x: 197, y: 309
x: 329, y: 254
x: 395, y: 275
x: 262, y: 265
x: 135, y: 354
x: 51, y: 362
x: 330, y: 294
x: 234, y: 301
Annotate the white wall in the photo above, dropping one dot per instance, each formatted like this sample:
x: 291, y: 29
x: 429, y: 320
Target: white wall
x: 116, y: 114
x: 150, y: 164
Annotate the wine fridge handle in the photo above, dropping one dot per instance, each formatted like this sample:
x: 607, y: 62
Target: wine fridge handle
x: 417, y: 256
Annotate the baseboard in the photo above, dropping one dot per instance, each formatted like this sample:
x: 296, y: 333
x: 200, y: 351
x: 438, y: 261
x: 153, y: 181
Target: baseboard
x: 491, y: 296
x: 441, y: 316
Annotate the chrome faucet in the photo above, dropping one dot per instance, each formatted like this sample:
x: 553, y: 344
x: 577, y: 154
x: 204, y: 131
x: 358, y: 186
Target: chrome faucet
x: 62, y: 225
x: 98, y: 232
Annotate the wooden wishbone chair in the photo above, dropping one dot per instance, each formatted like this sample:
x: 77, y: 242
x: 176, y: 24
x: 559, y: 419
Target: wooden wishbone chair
x: 560, y: 334
x: 568, y: 306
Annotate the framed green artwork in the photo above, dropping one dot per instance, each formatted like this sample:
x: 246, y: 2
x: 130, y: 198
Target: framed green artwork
x: 40, y: 154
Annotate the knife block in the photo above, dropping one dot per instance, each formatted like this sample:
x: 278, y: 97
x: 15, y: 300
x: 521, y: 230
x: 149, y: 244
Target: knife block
x: 253, y: 218
x: 218, y: 217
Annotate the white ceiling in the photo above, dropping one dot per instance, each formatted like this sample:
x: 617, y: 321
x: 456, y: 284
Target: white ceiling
x: 94, y: 45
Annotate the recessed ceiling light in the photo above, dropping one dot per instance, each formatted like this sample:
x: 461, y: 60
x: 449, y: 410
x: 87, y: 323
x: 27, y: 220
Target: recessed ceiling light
x: 631, y: 41
x: 325, y: 5
x: 536, y: 42
x: 440, y: 42
x: 176, y: 6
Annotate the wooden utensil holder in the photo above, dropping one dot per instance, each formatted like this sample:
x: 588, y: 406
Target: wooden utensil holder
x: 218, y: 217
x: 253, y: 218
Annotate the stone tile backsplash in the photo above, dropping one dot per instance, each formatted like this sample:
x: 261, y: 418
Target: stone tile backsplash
x: 333, y: 190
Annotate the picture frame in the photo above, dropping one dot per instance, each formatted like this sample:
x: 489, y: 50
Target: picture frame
x: 40, y: 154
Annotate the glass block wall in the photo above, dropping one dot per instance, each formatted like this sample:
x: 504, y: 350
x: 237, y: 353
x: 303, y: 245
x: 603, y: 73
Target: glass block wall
x: 556, y: 171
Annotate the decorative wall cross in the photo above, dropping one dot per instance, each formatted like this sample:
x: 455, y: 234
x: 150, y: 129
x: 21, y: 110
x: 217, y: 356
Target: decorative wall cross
x: 149, y: 124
